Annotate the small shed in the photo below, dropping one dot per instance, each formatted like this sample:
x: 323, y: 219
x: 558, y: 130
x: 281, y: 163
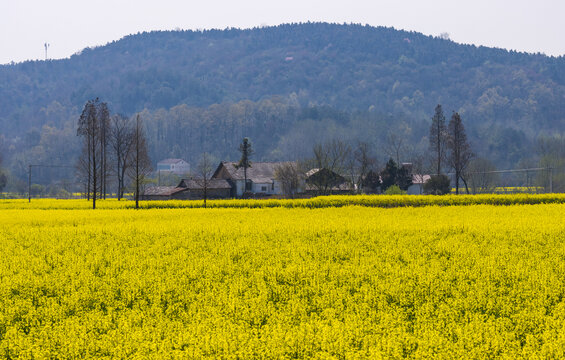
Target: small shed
x: 189, y: 189
x: 194, y: 189
x: 160, y: 192
x: 327, y: 182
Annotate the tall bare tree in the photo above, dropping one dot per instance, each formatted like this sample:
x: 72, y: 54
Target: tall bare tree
x: 459, y: 149
x: 140, y: 162
x: 359, y: 163
x: 3, y: 177
x: 90, y: 162
x: 204, y: 171
x: 290, y: 176
x: 103, y: 115
x: 395, y: 146
x: 438, y: 138
x: 330, y: 158
x: 121, y: 142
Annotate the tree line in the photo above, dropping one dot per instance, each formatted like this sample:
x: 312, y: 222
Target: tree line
x: 281, y: 131
x: 111, y: 145
x: 341, y: 162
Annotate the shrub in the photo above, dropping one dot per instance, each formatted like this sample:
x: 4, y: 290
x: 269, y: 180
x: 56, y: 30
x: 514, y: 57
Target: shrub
x: 437, y: 185
x: 394, y: 190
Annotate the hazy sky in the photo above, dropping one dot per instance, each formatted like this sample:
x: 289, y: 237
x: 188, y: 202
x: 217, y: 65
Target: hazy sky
x: 71, y: 25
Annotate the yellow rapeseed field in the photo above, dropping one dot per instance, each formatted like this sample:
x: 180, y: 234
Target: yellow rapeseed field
x: 316, y: 202
x: 282, y: 282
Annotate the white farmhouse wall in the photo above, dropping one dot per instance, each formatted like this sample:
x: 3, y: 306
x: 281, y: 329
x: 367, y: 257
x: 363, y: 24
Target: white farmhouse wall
x: 415, y: 189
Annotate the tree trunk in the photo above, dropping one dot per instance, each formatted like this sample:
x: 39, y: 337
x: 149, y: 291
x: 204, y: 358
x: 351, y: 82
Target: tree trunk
x: 137, y: 174
x: 465, y: 183
x: 94, y: 178
x: 88, y: 173
x: 245, y: 180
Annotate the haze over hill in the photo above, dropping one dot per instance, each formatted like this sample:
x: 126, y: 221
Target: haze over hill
x: 285, y: 87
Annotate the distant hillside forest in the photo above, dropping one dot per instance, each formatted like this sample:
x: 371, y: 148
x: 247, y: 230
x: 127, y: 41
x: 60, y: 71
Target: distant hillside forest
x: 285, y: 87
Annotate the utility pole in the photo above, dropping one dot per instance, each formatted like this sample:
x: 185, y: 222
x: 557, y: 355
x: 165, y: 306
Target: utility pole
x: 550, y: 179
x: 29, y: 184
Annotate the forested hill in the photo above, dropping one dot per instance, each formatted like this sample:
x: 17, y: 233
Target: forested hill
x: 349, y: 67
x: 285, y: 87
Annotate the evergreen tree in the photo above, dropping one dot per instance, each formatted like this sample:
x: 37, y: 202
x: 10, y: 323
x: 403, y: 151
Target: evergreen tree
x: 438, y: 138
x: 245, y: 162
x: 394, y: 175
x: 372, y: 182
x: 389, y: 174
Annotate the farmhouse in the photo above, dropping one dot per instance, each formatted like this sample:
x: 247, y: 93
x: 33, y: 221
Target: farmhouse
x: 175, y: 166
x: 418, y: 181
x: 260, y: 178
x: 325, y: 181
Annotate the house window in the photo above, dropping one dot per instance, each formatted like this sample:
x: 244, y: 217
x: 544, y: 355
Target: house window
x: 263, y: 188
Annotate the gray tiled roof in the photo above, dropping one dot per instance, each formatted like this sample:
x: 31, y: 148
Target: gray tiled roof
x: 259, y: 172
x: 212, y: 184
x: 162, y: 190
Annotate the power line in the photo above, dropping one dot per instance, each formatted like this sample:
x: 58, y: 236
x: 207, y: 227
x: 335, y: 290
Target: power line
x: 505, y: 171
x: 526, y: 170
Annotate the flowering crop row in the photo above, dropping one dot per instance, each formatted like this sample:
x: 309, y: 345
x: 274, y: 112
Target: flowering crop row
x: 476, y: 281
x: 384, y: 201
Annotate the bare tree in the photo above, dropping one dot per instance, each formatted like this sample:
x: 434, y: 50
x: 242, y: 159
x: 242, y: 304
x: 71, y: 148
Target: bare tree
x: 3, y: 177
x: 121, y: 141
x: 290, y: 176
x: 83, y: 170
x: 551, y: 153
x: 420, y: 168
x: 204, y: 171
x: 438, y: 138
x: 90, y: 163
x: 394, y: 146
x: 140, y: 162
x: 103, y: 115
x: 330, y: 162
x: 459, y: 149
x: 359, y: 163
x: 482, y: 176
